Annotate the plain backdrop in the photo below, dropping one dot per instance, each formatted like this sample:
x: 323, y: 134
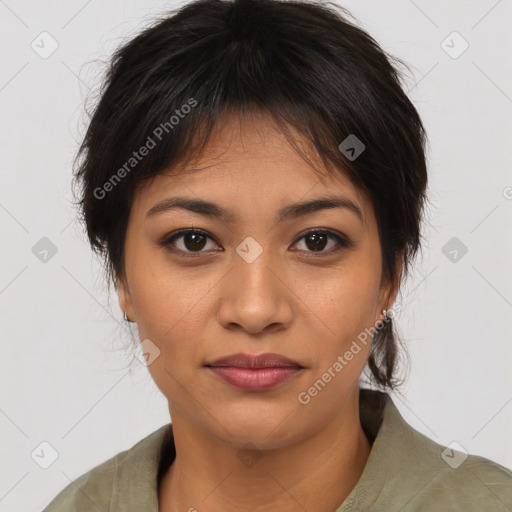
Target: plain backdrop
x: 64, y: 379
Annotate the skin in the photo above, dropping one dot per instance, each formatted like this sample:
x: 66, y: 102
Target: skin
x: 308, y: 306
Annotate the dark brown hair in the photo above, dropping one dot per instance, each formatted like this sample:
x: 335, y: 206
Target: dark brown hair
x: 304, y: 64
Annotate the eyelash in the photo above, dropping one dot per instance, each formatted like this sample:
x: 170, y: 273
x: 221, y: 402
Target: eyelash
x: 167, y: 242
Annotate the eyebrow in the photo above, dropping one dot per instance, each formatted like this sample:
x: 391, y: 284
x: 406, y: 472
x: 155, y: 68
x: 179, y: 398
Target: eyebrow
x: 291, y: 211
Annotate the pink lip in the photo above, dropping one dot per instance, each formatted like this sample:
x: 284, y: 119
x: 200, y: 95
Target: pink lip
x: 255, y: 373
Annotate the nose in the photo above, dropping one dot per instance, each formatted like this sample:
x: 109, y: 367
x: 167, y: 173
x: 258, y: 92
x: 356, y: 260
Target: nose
x: 255, y: 297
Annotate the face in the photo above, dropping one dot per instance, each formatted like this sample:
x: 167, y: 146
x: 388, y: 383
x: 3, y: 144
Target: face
x: 264, y: 278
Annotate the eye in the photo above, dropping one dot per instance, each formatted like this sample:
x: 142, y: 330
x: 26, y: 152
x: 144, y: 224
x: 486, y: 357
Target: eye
x: 315, y: 241
x: 188, y: 241
x: 191, y: 242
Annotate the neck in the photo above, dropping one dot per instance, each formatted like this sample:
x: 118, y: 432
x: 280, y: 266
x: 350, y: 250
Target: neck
x: 317, y: 473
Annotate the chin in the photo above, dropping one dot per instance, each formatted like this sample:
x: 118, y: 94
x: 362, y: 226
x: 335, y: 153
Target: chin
x: 264, y: 432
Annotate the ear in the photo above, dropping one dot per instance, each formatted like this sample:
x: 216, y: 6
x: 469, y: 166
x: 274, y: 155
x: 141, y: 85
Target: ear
x: 390, y: 290
x: 124, y: 298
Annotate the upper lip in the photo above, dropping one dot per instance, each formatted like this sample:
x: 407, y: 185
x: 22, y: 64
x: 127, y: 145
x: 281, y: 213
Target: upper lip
x: 253, y: 361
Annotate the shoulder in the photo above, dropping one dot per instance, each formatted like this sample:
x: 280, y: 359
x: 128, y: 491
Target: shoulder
x: 130, y: 474
x: 409, y: 471
x: 90, y: 491
x: 477, y: 484
x: 446, y: 478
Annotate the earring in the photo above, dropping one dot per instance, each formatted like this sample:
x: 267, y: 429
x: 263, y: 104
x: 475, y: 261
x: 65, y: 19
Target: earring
x: 385, y: 313
x: 126, y: 319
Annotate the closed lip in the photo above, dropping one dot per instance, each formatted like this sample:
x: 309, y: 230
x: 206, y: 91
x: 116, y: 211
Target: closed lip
x: 255, y: 361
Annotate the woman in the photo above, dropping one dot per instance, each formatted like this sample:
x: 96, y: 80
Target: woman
x: 255, y: 177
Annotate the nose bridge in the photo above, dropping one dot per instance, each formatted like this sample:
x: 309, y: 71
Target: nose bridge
x: 254, y: 275
x: 255, y: 296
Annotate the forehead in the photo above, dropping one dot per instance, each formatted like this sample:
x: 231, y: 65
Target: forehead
x: 249, y: 161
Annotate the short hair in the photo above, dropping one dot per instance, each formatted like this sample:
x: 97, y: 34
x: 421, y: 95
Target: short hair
x: 304, y: 64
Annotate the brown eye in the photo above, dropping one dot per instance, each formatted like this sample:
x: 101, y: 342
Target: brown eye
x: 316, y: 241
x: 194, y: 241
x: 188, y: 241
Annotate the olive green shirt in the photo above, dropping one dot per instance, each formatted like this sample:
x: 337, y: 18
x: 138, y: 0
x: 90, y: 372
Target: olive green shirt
x: 406, y: 471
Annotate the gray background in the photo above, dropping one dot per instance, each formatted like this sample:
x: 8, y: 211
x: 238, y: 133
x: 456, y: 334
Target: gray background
x: 64, y: 378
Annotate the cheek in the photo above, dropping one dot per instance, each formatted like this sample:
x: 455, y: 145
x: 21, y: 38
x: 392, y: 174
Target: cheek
x: 158, y: 295
x: 171, y: 312
x: 171, y: 306
x: 346, y: 307
x: 166, y: 309
x: 347, y: 302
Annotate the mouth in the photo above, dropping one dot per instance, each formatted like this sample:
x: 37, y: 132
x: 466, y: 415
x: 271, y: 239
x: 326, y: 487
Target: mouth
x: 255, y: 373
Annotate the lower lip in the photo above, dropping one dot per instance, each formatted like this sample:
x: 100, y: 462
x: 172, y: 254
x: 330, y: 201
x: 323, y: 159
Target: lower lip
x: 255, y: 379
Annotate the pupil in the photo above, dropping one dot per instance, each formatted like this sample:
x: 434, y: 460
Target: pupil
x: 193, y: 241
x: 319, y: 241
